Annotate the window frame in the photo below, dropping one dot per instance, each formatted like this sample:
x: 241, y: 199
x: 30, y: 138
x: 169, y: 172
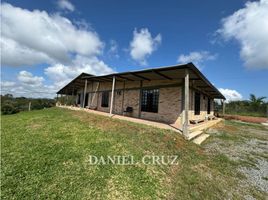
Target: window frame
x: 150, y: 100
x: 105, y: 99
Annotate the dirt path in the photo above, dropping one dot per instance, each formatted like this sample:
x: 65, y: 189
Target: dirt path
x: 247, y: 118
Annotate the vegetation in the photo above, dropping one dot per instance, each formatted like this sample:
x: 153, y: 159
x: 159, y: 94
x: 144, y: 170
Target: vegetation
x: 255, y: 106
x: 44, y: 155
x: 67, y: 100
x: 11, y: 105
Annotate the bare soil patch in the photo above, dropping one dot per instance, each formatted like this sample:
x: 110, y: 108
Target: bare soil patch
x: 247, y: 118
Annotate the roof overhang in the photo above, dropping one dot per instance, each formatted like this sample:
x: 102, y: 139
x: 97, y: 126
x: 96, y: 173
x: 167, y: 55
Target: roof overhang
x: 197, y: 79
x: 74, y: 85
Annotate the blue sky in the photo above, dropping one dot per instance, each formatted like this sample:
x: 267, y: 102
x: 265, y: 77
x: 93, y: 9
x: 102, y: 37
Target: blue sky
x: 105, y: 36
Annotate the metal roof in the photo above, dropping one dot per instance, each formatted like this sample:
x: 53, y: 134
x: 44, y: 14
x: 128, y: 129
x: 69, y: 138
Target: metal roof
x: 161, y: 73
x: 74, y: 85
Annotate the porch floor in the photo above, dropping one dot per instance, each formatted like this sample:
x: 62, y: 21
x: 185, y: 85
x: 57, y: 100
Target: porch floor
x: 126, y: 118
x: 192, y: 127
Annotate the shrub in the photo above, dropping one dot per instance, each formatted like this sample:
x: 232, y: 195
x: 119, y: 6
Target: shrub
x: 8, y: 109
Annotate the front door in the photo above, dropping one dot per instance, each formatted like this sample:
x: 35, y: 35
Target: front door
x: 86, y: 100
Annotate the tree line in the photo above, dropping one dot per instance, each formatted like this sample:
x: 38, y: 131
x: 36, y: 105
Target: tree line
x: 12, y: 105
x: 255, y: 106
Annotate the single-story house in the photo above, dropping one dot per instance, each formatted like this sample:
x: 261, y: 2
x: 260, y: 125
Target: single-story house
x: 176, y: 95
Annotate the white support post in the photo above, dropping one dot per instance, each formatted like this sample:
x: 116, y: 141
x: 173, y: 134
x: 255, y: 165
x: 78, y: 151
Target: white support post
x: 85, y: 91
x: 223, y: 107
x: 112, y: 96
x: 186, y: 103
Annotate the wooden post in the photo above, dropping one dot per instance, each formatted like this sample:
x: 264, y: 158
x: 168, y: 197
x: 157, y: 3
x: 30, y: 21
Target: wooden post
x: 85, y: 91
x: 29, y: 107
x: 186, y: 103
x: 93, y: 97
x: 112, y: 96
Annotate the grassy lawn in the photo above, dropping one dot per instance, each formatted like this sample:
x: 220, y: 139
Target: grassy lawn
x: 44, y: 155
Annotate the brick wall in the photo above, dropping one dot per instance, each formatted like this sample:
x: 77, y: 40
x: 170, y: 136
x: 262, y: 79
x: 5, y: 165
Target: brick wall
x: 170, y: 108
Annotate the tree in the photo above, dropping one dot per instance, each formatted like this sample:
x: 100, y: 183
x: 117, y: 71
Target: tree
x: 256, y: 102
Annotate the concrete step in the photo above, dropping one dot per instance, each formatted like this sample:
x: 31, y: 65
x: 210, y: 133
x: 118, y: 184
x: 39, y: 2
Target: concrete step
x: 204, y: 125
x: 193, y: 135
x: 200, y: 138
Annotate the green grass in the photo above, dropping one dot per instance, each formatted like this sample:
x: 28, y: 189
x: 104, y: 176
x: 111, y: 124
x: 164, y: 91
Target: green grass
x: 44, y: 155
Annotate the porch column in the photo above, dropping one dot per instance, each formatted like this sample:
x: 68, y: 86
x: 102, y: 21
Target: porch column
x: 223, y: 107
x: 85, y: 91
x: 186, y: 103
x: 112, y: 96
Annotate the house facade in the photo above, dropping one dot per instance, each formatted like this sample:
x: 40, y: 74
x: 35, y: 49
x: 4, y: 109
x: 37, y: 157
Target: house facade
x: 176, y: 95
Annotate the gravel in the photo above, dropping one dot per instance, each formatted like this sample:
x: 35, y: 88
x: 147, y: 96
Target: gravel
x: 249, y: 149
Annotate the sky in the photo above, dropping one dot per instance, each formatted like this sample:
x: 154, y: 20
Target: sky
x: 45, y: 44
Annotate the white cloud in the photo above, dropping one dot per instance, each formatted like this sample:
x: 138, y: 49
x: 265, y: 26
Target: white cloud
x: 143, y: 45
x: 27, y: 78
x: 28, y: 85
x: 196, y: 57
x: 249, y: 26
x: 36, y: 37
x: 65, y: 5
x: 231, y: 95
x: 44, y: 37
x: 14, y: 54
x: 62, y: 74
x: 7, y: 84
x: 113, y: 51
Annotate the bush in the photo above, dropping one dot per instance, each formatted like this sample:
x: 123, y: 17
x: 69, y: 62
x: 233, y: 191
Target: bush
x: 8, y: 109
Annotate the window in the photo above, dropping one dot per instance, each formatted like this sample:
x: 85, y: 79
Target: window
x: 105, y: 99
x: 149, y: 100
x: 197, y: 103
x: 118, y: 92
x: 209, y: 104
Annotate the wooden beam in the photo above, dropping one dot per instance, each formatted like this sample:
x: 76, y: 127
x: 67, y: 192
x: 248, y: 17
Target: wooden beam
x: 112, y: 97
x: 94, y: 94
x: 195, y: 79
x: 148, y: 87
x: 124, y: 78
x: 142, y: 77
x: 162, y: 75
x: 85, y: 91
x: 203, y: 86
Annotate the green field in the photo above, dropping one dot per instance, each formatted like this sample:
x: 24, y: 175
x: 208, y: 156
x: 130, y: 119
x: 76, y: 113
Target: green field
x: 44, y: 155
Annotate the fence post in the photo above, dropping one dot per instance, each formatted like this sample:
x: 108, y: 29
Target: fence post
x: 29, y: 106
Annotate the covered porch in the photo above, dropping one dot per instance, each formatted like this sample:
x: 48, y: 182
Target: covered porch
x: 185, y: 79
